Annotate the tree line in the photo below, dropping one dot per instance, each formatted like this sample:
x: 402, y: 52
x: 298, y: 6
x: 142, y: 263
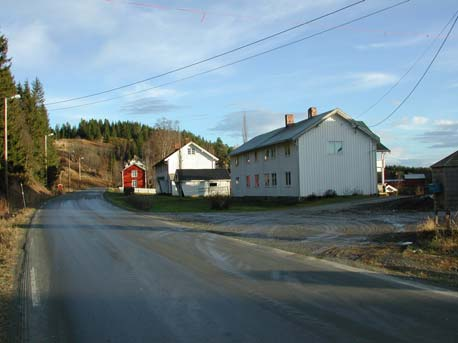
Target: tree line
x: 27, y: 124
x: 133, y: 139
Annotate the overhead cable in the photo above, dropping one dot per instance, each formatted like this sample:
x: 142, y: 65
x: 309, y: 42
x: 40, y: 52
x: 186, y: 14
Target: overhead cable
x: 238, y: 61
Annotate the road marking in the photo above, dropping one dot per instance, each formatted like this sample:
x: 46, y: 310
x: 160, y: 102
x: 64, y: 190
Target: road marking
x: 34, y: 288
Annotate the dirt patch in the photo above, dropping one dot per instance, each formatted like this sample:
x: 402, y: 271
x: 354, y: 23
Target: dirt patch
x: 11, y: 241
x: 395, y: 237
x: 430, y: 255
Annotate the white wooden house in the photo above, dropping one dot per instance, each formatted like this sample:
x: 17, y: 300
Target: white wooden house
x: 329, y: 151
x: 189, y: 156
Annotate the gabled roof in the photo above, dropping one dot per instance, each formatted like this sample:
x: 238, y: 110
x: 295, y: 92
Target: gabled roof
x: 295, y: 130
x: 166, y: 158
x: 135, y: 163
x: 449, y: 161
x: 202, y: 174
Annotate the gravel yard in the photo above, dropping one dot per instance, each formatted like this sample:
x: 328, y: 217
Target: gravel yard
x: 348, y: 232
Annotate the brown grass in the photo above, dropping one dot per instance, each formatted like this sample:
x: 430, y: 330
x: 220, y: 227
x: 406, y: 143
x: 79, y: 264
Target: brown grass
x: 11, y: 239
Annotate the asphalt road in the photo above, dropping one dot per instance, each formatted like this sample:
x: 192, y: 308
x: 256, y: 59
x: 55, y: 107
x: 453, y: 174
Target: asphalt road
x: 95, y: 273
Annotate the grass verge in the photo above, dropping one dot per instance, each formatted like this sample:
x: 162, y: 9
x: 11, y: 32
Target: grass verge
x: 172, y: 204
x: 12, y: 237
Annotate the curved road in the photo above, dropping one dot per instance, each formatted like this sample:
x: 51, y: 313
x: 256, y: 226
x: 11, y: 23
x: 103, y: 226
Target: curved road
x: 96, y: 273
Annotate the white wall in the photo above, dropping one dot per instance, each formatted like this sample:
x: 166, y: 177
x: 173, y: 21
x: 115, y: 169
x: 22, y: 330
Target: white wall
x: 352, y: 171
x: 280, y: 165
x: 199, y: 160
x: 203, y: 188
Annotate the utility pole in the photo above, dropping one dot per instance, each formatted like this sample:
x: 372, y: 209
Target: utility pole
x: 79, y: 170
x: 69, y: 156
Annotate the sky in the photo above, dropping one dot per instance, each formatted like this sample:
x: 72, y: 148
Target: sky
x: 81, y: 47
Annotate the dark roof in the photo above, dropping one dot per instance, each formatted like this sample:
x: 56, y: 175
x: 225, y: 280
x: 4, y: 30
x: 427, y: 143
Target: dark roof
x: 202, y: 174
x: 295, y: 130
x: 450, y: 161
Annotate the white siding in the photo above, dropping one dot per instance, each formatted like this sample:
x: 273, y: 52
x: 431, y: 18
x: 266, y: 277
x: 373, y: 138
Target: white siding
x: 204, y: 188
x: 352, y: 171
x: 199, y: 160
x: 280, y: 165
x: 167, y: 169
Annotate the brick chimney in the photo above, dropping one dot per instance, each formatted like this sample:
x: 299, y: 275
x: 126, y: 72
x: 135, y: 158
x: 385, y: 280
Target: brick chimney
x: 289, y: 119
x: 312, y: 112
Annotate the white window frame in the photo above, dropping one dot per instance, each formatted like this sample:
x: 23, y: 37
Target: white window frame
x: 267, y: 180
x: 133, y: 173
x: 134, y: 183
x: 273, y: 178
x: 273, y: 153
x: 287, y: 150
x: 288, y: 179
x: 335, y: 147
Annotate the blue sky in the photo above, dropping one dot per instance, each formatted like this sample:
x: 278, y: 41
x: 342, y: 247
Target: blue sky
x: 85, y: 46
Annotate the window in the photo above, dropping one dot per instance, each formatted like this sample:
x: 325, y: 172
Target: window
x: 237, y: 180
x: 274, y: 179
x: 133, y: 173
x: 191, y: 150
x: 236, y: 161
x: 134, y: 183
x: 270, y: 154
x: 248, y: 181
x: 256, y: 181
x: 288, y: 178
x: 273, y: 153
x: 335, y: 147
x: 213, y: 184
x: 266, y: 180
x: 255, y: 156
x: 287, y: 150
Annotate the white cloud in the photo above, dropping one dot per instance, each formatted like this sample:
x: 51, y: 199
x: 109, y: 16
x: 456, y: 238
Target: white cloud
x: 258, y: 121
x: 446, y: 122
x: 368, y: 80
x: 394, y: 44
x: 417, y: 120
x: 444, y: 134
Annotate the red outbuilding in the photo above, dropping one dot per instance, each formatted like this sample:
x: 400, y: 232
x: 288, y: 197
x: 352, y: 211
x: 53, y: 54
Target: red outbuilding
x: 134, y: 175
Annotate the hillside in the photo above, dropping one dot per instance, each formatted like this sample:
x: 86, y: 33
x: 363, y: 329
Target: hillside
x: 99, y: 168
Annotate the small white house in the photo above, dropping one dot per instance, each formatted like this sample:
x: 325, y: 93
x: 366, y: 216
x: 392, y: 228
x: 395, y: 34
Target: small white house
x: 329, y: 151
x: 189, y: 156
x: 203, y: 182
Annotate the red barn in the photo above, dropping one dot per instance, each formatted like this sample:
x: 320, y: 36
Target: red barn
x: 134, y: 175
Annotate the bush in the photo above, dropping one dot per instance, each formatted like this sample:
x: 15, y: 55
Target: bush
x: 312, y: 197
x: 129, y: 190
x: 330, y: 193
x: 219, y: 202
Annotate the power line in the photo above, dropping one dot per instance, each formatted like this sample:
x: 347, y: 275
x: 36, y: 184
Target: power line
x: 238, y: 61
x: 211, y: 58
x: 421, y: 78
x: 410, y: 68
